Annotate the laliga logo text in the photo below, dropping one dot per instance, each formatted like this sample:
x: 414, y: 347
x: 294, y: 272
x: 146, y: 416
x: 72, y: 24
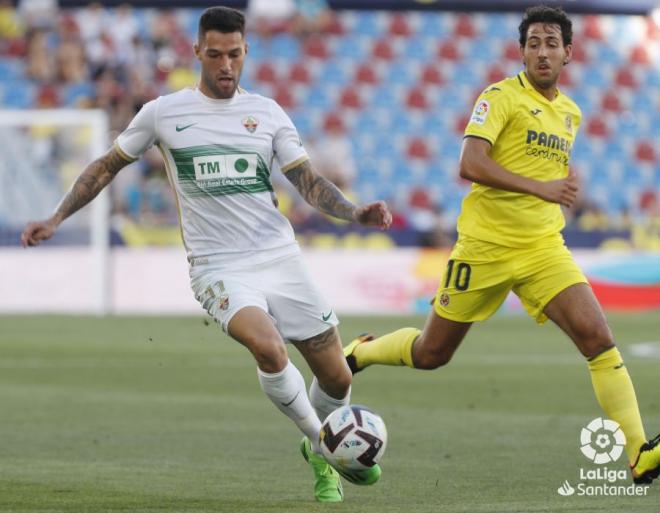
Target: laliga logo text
x: 601, y: 442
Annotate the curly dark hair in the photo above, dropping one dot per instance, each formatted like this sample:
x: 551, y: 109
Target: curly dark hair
x: 546, y: 14
x: 222, y: 19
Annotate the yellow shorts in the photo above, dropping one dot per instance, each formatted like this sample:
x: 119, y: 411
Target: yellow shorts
x: 479, y: 276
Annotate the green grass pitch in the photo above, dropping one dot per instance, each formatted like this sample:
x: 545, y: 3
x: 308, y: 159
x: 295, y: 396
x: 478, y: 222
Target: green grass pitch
x: 165, y: 414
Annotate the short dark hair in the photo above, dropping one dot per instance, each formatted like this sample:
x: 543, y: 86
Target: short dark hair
x: 222, y: 19
x: 546, y: 14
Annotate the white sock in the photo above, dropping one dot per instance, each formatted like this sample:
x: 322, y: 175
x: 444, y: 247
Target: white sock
x: 323, y: 403
x: 287, y: 391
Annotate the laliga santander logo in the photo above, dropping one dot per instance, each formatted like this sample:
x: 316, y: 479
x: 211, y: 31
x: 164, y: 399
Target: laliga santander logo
x: 602, y: 441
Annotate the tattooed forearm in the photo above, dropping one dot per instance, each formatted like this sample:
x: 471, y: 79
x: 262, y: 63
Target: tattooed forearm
x: 93, y: 179
x: 320, y: 192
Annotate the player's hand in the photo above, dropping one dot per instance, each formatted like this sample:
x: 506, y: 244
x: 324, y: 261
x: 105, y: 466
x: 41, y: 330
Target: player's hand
x: 37, y: 231
x: 374, y: 214
x: 562, y: 191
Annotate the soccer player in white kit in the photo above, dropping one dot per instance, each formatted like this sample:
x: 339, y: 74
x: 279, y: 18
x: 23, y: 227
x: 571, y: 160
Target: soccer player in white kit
x: 218, y: 142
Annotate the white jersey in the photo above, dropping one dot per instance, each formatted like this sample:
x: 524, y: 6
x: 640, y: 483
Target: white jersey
x: 218, y: 155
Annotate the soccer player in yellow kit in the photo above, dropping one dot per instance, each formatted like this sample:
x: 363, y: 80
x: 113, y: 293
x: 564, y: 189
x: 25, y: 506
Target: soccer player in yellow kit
x: 516, y: 150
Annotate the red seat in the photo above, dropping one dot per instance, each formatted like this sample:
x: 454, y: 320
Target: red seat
x: 334, y: 26
x: 464, y: 27
x: 399, y: 25
x: 48, y: 97
x: 418, y: 149
x: 512, y: 51
x: 566, y: 78
x: 495, y: 73
x: 366, y: 74
x: 432, y: 75
x: 284, y: 96
x: 461, y: 122
x: 625, y: 78
x: 612, y: 102
x: 317, y: 48
x: 417, y: 99
x: 300, y: 74
x: 16, y: 48
x: 382, y: 49
x: 266, y: 73
x: 597, y: 128
x: 649, y: 201
x: 592, y: 28
x: 449, y: 51
x: 420, y: 198
x: 579, y: 52
x: 645, y: 152
x: 350, y: 99
x: 334, y: 123
x: 640, y: 55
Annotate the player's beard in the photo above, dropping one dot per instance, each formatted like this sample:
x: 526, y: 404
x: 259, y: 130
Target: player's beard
x: 543, y: 82
x: 211, y: 83
x: 547, y: 83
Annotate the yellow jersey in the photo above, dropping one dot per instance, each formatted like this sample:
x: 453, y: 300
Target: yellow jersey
x: 531, y: 136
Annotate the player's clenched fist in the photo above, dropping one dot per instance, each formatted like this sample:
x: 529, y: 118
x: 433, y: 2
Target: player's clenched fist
x: 562, y: 191
x: 37, y: 231
x: 374, y: 214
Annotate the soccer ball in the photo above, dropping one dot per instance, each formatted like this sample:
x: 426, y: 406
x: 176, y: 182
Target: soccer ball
x: 353, y: 438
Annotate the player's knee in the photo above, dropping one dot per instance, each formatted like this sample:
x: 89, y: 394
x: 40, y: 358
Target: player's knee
x: 347, y: 380
x: 604, y: 335
x: 429, y: 354
x: 598, y: 335
x: 430, y: 360
x: 337, y: 384
x: 343, y: 381
x: 595, y: 339
x: 341, y: 385
x: 271, y: 355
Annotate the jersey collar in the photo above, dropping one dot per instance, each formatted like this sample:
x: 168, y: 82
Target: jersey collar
x: 522, y: 77
x: 216, y: 101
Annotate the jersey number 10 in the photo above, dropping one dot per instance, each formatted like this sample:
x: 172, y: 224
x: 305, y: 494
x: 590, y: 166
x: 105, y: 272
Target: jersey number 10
x: 462, y: 278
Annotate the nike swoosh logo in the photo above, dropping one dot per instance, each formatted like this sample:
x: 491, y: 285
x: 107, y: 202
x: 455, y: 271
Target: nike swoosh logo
x: 291, y: 401
x: 326, y: 317
x: 619, y: 366
x: 182, y: 128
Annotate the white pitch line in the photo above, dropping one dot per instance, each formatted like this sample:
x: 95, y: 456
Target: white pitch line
x: 645, y: 349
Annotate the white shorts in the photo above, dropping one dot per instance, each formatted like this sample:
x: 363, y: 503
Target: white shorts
x: 282, y: 288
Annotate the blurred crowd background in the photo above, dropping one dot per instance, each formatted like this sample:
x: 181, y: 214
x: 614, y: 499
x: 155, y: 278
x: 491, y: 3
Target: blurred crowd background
x: 380, y: 99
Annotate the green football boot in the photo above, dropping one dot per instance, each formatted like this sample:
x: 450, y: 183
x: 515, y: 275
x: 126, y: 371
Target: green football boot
x: 328, y: 485
x: 363, y: 477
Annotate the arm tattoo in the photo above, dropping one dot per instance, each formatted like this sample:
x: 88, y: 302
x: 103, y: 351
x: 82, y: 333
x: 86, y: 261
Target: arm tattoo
x: 93, y: 179
x: 320, y: 192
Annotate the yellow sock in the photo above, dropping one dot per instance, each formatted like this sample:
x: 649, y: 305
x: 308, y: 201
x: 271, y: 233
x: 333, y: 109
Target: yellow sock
x: 392, y: 349
x: 616, y: 396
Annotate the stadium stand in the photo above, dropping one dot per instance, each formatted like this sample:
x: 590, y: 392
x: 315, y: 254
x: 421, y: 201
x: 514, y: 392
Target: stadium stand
x: 400, y: 84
